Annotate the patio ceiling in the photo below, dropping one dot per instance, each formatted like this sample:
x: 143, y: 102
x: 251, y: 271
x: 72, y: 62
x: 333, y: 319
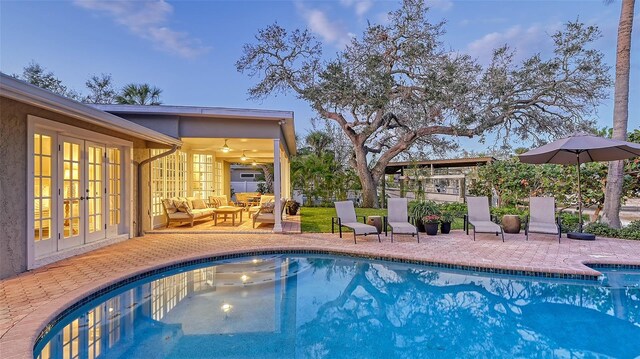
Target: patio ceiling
x: 259, y: 150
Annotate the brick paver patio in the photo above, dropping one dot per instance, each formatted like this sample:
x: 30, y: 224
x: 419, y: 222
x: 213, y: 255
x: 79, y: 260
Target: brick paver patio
x: 30, y: 300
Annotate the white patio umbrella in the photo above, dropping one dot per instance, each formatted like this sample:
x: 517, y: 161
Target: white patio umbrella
x: 581, y: 148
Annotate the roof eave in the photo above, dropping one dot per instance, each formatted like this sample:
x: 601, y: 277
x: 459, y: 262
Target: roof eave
x: 21, y: 91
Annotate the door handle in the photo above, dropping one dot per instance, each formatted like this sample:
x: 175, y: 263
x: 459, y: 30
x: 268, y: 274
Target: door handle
x: 81, y: 198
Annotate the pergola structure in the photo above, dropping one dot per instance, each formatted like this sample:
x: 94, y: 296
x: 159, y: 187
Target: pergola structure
x: 445, y: 170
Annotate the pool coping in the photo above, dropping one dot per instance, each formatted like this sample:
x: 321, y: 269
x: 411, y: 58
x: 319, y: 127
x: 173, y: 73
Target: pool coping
x: 23, y: 337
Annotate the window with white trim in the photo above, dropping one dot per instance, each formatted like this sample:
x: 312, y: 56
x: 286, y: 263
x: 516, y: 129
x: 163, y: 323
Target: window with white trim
x: 218, y: 178
x: 202, y: 176
x: 168, y: 178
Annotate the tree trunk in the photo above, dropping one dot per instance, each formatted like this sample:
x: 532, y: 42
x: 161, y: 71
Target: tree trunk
x: 367, y: 179
x: 613, y: 194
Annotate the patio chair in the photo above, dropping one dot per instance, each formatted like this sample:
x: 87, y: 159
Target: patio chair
x: 346, y: 214
x: 542, y: 217
x: 479, y: 217
x: 266, y: 212
x: 263, y: 199
x: 398, y: 218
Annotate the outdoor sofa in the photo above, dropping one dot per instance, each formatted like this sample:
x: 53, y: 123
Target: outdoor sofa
x: 186, y: 209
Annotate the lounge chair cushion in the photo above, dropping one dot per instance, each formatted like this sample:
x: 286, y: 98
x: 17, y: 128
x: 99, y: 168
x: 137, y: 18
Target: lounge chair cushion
x: 485, y: 227
x: 180, y: 215
x: 545, y: 227
x: 267, y: 207
x: 199, y: 204
x: 361, y: 228
x: 402, y: 227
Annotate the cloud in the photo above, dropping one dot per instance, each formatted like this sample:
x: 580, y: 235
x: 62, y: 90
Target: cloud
x: 331, y: 32
x: 440, y: 4
x: 359, y: 6
x: 148, y: 20
x: 526, y: 41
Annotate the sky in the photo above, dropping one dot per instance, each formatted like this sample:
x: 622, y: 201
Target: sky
x: 189, y: 48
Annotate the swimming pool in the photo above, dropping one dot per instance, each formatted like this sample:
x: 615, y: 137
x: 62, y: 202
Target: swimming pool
x: 319, y: 306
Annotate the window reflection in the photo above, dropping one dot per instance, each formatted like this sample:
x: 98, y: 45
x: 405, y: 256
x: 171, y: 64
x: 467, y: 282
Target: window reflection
x: 306, y: 307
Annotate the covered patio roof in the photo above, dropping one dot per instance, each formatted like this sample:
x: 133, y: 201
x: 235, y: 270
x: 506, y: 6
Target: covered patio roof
x: 254, y: 149
x: 196, y: 122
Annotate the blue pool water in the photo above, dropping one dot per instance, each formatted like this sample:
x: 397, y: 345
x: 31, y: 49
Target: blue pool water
x: 306, y: 306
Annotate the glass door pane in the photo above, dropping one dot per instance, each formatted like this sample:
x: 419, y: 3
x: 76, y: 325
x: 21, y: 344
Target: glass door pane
x: 95, y: 191
x: 71, y: 173
x: 43, y: 198
x: 114, y: 189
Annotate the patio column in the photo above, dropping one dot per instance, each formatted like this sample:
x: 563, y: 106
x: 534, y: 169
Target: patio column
x: 277, y: 187
x: 286, y: 181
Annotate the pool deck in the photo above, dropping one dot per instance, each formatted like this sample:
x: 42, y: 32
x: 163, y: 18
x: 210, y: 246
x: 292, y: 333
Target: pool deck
x: 32, y: 299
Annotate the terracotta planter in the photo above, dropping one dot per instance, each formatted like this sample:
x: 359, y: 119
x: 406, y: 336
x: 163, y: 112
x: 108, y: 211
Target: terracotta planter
x: 445, y: 227
x: 431, y: 228
x: 511, y: 223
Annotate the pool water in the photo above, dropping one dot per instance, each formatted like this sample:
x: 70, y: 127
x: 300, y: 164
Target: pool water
x: 299, y: 306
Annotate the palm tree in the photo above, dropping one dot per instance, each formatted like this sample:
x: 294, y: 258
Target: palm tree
x: 139, y: 94
x: 318, y: 142
x: 613, y: 193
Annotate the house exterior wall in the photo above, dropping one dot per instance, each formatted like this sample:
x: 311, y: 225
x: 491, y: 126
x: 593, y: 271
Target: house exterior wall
x: 14, y: 177
x: 13, y: 188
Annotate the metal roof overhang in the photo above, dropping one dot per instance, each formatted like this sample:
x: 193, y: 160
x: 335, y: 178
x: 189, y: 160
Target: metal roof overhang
x: 26, y: 93
x: 285, y: 118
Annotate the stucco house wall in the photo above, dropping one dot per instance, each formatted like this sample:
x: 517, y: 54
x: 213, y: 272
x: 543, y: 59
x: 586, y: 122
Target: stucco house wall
x: 13, y: 176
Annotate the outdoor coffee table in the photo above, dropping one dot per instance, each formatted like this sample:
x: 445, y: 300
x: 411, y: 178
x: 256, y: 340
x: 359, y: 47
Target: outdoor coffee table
x: 233, y: 211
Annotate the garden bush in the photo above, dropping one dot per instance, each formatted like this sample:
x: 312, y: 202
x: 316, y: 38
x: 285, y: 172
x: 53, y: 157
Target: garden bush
x: 632, y: 231
x: 457, y: 209
x: 570, y: 221
x: 498, y: 212
x: 601, y: 229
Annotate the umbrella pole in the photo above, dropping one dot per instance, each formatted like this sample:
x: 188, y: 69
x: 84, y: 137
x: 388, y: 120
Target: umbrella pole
x: 579, y: 197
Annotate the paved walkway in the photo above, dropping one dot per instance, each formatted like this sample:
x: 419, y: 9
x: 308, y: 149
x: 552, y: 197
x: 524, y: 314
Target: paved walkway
x: 30, y: 300
x: 289, y: 226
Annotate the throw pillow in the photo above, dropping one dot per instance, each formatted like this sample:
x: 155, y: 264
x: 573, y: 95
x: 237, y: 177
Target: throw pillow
x: 183, y: 206
x: 169, y: 206
x: 267, y: 207
x: 214, y: 202
x: 199, y: 204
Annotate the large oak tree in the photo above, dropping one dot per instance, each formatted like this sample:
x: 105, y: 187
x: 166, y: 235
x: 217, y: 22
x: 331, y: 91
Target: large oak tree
x: 398, y: 87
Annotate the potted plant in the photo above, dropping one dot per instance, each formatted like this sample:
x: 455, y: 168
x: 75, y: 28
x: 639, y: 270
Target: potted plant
x: 420, y: 209
x: 292, y: 207
x: 431, y: 222
x: 446, y: 217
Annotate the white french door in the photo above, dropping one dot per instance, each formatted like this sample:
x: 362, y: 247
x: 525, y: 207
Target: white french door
x: 78, y: 188
x: 71, y: 179
x: 84, y: 193
x: 95, y: 191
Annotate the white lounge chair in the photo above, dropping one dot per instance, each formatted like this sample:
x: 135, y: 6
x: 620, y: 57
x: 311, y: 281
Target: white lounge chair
x: 346, y: 215
x: 479, y: 217
x: 542, y: 217
x: 398, y: 218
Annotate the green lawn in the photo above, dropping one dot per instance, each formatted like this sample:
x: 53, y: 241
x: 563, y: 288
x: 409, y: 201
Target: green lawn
x: 318, y: 219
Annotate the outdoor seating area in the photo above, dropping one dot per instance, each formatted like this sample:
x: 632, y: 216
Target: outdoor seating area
x: 219, y: 214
